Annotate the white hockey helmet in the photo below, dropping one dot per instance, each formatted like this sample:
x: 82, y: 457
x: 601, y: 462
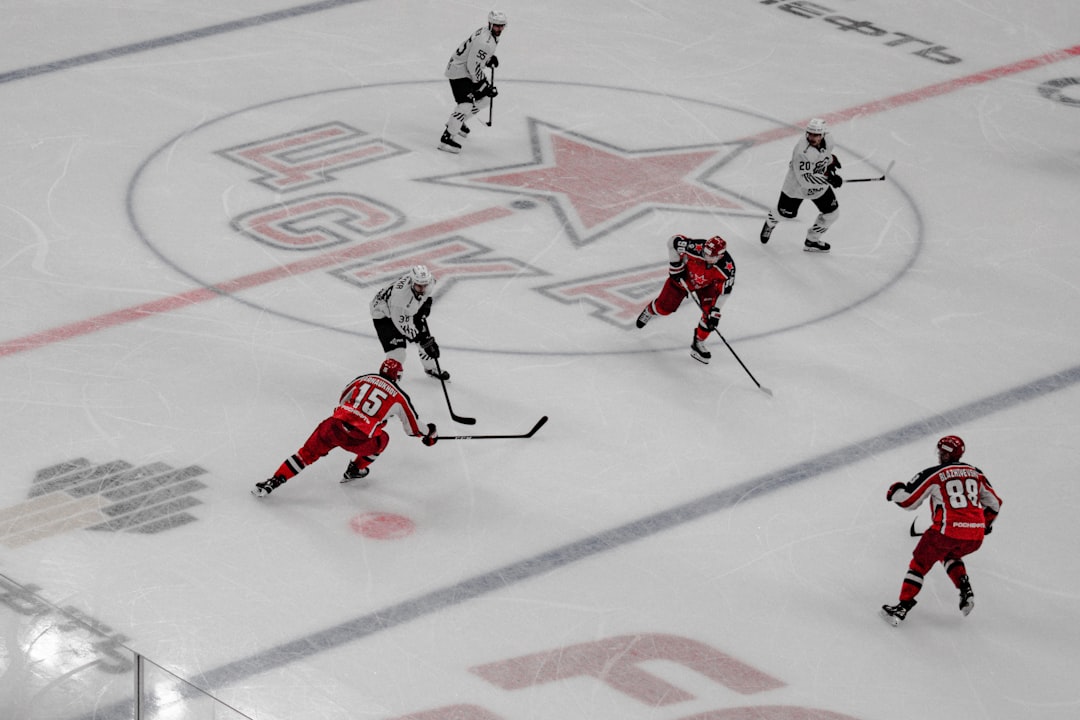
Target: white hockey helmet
x: 495, y: 17
x: 817, y: 126
x: 420, y: 275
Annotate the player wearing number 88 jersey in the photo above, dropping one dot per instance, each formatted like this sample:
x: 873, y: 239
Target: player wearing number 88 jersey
x: 963, y: 507
x: 356, y: 425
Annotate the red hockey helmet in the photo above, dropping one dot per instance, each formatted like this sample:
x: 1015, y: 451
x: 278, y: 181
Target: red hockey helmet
x: 713, y: 248
x: 391, y: 369
x: 950, y: 448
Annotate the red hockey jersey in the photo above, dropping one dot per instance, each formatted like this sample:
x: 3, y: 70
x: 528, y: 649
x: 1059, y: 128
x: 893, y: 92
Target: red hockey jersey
x: 961, y: 499
x: 369, y: 401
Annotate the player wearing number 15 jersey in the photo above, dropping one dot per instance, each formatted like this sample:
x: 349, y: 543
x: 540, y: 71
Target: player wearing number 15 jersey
x: 963, y: 506
x: 356, y: 425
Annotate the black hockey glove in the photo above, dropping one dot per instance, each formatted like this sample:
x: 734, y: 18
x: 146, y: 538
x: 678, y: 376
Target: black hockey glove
x: 493, y: 61
x: 430, y: 346
x: 423, y: 312
x: 711, y: 320
x: 431, y: 437
x: 835, y: 180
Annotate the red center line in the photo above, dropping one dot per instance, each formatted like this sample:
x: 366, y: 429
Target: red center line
x: 191, y: 297
x: 914, y: 96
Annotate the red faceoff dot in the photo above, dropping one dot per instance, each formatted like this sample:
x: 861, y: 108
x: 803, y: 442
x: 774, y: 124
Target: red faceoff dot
x: 382, y: 526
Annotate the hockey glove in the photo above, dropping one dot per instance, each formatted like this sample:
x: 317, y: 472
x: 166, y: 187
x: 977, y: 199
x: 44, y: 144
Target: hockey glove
x: 988, y: 518
x: 835, y: 180
x: 430, y: 346
x: 711, y: 320
x: 431, y: 437
x: 423, y: 312
x: 493, y: 61
x: 893, y: 489
x: 834, y: 165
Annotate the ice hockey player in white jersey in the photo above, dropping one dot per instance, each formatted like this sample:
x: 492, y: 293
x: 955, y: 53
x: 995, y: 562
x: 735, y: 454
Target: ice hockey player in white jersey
x: 811, y: 176
x: 399, y: 312
x: 467, y: 72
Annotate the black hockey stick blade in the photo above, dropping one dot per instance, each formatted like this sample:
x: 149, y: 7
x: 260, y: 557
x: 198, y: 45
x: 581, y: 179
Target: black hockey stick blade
x: 453, y: 416
x: 873, y: 179
x: 539, y: 424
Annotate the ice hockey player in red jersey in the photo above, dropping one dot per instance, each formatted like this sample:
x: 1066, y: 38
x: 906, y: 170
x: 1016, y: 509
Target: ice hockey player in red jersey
x: 963, y: 506
x: 356, y: 425
x: 469, y: 83
x: 702, y: 267
x: 811, y: 176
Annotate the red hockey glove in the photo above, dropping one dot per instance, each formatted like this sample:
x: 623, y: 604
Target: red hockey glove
x: 431, y: 437
x: 892, y: 490
x: 988, y: 518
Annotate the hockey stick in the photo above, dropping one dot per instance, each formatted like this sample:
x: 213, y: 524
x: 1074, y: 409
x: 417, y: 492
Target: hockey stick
x: 761, y: 387
x: 734, y: 354
x: 873, y: 179
x: 491, y: 105
x: 537, y: 426
x: 453, y: 416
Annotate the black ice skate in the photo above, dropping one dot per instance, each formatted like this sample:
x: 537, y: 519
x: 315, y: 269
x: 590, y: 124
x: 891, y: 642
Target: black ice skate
x: 354, y: 473
x: 766, y: 232
x: 267, y: 486
x: 464, y: 131
x: 436, y: 374
x: 895, y: 614
x: 816, y: 246
x: 967, y: 596
x: 644, y: 318
x: 698, y: 351
x: 448, y: 143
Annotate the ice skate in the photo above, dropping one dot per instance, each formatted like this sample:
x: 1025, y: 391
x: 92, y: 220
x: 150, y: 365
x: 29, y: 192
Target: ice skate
x: 354, y: 473
x: 766, y: 232
x: 967, y: 596
x: 644, y: 318
x: 436, y: 374
x: 895, y: 614
x: 448, y: 144
x: 699, y: 352
x: 266, y: 487
x: 464, y: 131
x: 816, y: 246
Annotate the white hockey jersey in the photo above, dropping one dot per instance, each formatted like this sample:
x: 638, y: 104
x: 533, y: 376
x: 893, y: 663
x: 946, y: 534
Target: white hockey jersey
x: 807, y: 176
x: 471, y: 57
x: 399, y: 303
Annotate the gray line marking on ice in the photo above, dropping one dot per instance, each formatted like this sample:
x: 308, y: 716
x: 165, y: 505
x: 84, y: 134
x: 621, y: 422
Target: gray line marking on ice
x: 645, y: 527
x: 188, y: 36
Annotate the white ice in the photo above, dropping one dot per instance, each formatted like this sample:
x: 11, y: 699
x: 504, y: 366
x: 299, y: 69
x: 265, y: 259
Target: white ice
x: 743, y: 541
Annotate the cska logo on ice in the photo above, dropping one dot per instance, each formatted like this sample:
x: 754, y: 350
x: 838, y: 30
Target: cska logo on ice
x: 569, y: 217
x: 592, y: 191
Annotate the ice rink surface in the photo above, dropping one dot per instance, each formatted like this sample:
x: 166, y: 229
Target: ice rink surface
x: 199, y: 199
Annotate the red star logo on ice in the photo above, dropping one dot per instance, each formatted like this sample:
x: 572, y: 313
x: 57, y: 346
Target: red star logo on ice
x: 596, y: 187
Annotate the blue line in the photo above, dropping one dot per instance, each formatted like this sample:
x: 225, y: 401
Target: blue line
x: 645, y: 527
x: 642, y: 528
x: 183, y: 37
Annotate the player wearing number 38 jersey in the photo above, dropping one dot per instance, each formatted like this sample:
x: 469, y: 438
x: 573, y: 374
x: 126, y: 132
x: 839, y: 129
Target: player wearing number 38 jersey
x: 356, y: 425
x: 963, y: 506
